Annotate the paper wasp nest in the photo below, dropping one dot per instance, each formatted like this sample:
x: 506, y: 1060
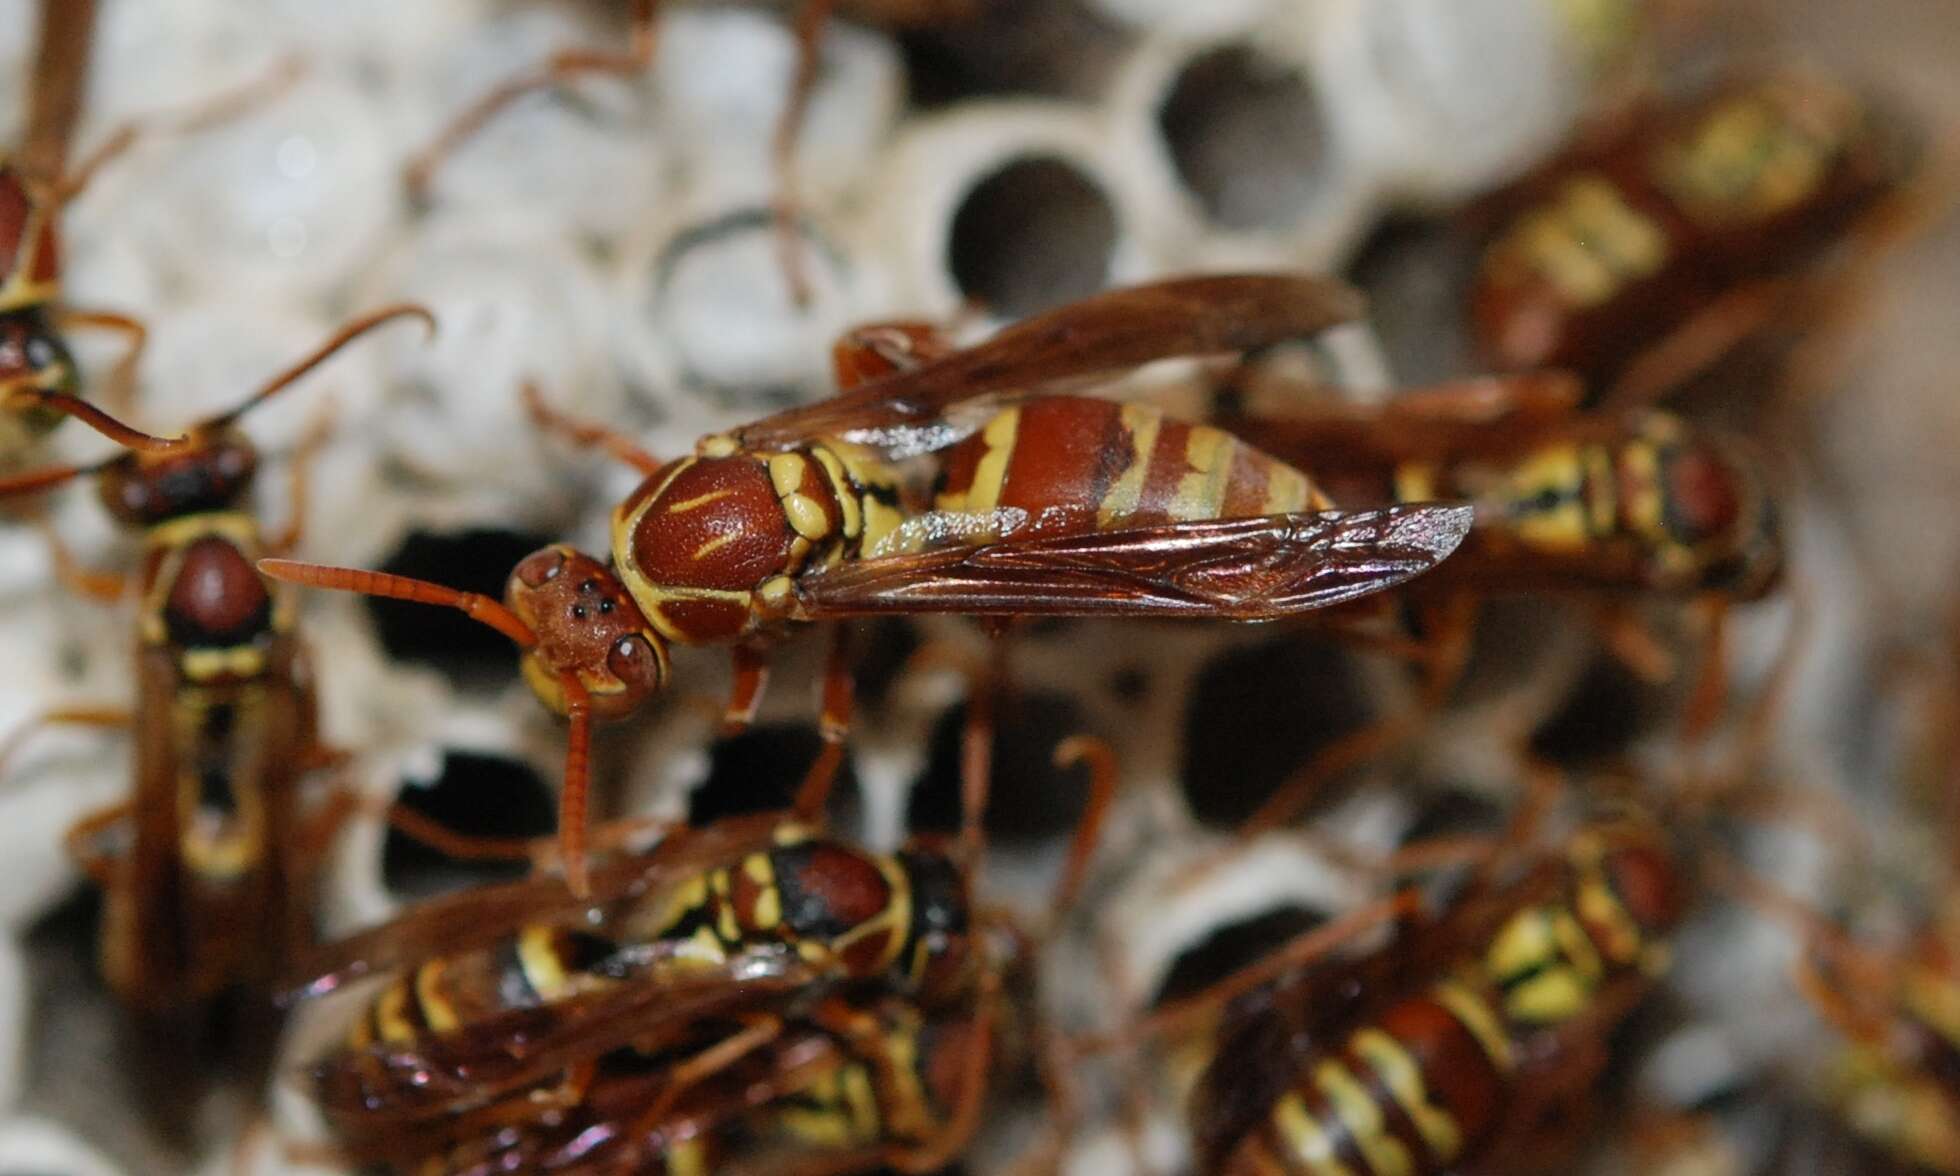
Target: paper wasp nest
x: 614, y: 241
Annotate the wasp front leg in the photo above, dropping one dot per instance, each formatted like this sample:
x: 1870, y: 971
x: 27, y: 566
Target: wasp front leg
x: 566, y: 65
x: 80, y: 842
x: 83, y: 581
x: 119, y: 390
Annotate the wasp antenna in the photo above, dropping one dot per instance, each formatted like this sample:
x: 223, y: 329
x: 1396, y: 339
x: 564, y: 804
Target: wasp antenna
x: 573, y: 793
x: 95, y: 418
x: 46, y: 479
x: 339, y: 339
x: 476, y: 606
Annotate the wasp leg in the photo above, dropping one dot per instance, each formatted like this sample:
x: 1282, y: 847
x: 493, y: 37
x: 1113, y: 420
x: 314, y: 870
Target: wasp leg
x: 209, y: 113
x: 834, y: 726
x: 758, y: 1030
x: 809, y: 50
x: 89, y: 584
x: 79, y: 841
x: 1696, y: 345
x: 119, y: 390
x: 587, y: 434
x: 564, y: 66
x: 751, y: 666
x: 70, y: 716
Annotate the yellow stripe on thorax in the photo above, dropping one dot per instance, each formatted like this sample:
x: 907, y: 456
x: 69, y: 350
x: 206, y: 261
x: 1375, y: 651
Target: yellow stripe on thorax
x: 1476, y: 1015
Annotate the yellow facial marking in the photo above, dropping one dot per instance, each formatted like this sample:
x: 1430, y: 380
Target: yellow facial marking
x: 1555, y: 995
x: 719, y: 445
x: 391, y: 1014
x: 436, y: 1009
x: 1127, y: 490
x: 1577, y: 946
x: 1305, y: 1138
x: 1523, y: 944
x: 1602, y: 911
x: 537, y: 954
x: 1385, y: 1154
x: 1403, y: 1077
x: 1480, y: 1019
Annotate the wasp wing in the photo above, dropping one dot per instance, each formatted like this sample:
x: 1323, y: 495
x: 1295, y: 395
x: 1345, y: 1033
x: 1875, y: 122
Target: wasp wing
x: 1482, y: 415
x: 1251, y: 569
x: 392, y: 1085
x: 1101, y: 335
x: 479, y: 917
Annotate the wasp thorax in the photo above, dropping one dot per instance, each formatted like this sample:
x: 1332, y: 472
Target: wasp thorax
x: 213, y: 473
x: 707, y: 532
x: 589, y: 628
x: 30, y: 248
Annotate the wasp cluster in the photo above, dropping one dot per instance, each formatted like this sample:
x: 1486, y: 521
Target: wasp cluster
x: 616, y: 240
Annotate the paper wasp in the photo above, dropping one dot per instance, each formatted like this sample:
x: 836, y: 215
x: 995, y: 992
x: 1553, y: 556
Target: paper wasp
x: 1614, y: 508
x: 1455, y: 1042
x: 1053, y: 506
x: 1641, y: 257
x: 1641, y: 502
x: 753, y: 985
x: 207, y: 888
x: 39, y: 380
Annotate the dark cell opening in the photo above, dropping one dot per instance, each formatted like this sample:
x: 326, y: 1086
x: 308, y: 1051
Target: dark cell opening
x: 1057, y: 48
x: 883, y: 647
x: 1416, y: 274
x: 1032, y: 235
x: 1256, y: 715
x: 1247, y: 135
x: 760, y: 770
x: 467, y: 653
x: 476, y: 795
x: 1030, y: 798
x: 1232, y: 946
x: 1606, y: 711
